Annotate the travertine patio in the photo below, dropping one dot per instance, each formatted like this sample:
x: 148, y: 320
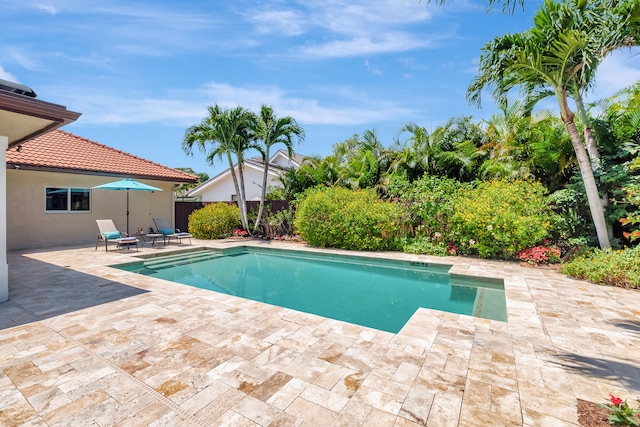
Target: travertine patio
x: 82, y: 344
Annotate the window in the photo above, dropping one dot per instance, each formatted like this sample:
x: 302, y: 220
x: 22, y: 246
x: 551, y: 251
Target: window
x: 62, y: 199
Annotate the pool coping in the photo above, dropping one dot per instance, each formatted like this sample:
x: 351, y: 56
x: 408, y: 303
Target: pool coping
x: 564, y: 340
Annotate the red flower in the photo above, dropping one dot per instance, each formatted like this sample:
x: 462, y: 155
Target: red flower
x: 615, y: 400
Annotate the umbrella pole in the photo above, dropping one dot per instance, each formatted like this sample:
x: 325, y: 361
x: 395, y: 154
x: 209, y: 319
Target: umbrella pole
x: 128, y: 213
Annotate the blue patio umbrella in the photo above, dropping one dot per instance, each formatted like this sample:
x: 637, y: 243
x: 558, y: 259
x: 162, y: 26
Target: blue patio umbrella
x: 127, y: 184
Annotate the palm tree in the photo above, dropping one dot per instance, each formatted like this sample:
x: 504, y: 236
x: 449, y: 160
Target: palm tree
x: 508, y: 134
x: 228, y: 133
x: 416, y: 153
x: 507, y: 5
x: 272, y: 130
x: 606, y: 25
x: 520, y: 60
x: 458, y: 148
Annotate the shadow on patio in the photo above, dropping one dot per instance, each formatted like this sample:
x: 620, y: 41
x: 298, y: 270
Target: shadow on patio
x: 618, y: 370
x: 39, y: 290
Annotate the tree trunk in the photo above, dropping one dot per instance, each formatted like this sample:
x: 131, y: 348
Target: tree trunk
x: 263, y: 194
x: 243, y: 196
x: 243, y: 215
x: 592, y: 149
x: 595, y: 206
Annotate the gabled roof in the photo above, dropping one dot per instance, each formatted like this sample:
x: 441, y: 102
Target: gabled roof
x: 254, y: 163
x: 296, y: 158
x: 61, y: 151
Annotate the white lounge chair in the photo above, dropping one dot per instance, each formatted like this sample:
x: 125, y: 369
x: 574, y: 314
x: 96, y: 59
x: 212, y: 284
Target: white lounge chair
x: 168, y: 232
x: 110, y: 234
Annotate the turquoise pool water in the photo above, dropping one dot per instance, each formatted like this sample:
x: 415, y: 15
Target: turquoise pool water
x: 382, y: 294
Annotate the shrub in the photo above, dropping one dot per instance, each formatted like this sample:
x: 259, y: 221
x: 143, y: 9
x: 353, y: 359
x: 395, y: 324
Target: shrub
x: 632, y: 198
x: 430, y: 202
x: 573, y: 219
x: 499, y: 219
x: 423, y: 246
x: 608, y: 267
x: 280, y: 224
x: 214, y: 221
x: 341, y: 218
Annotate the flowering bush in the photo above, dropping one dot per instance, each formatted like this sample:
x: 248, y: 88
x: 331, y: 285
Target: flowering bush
x: 238, y: 232
x: 541, y: 255
x: 452, y: 249
x: 621, y: 413
x: 633, y: 199
x: 499, y: 219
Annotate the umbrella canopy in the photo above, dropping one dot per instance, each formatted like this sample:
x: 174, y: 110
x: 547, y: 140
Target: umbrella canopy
x: 127, y: 184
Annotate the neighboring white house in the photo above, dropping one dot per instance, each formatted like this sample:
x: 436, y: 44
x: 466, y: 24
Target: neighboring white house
x: 220, y: 188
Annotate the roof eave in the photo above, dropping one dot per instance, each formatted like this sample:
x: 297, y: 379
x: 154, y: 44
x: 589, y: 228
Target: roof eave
x: 20, y: 166
x: 57, y: 115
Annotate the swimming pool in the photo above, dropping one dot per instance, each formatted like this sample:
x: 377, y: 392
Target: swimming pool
x: 378, y: 293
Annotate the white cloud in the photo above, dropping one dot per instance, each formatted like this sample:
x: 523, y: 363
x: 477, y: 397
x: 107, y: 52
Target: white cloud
x: 287, y: 22
x: 341, y: 28
x: 618, y: 71
x: 5, y: 75
x: 355, y: 17
x: 373, y: 70
x: 343, y: 106
x: 387, y: 43
x: 47, y: 8
x: 22, y: 57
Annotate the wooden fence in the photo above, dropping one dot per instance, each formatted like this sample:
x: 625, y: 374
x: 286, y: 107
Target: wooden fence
x: 184, y: 209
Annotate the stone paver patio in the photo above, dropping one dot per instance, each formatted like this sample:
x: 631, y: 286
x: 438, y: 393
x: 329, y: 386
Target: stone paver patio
x: 82, y: 344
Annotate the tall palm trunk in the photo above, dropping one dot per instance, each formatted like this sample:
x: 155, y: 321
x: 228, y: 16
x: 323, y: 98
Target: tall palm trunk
x: 592, y: 150
x: 264, y: 190
x: 595, y: 206
x: 242, y: 196
x: 589, y: 139
x: 241, y: 205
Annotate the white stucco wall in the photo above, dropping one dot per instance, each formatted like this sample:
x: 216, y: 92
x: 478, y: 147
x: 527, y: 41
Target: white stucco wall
x: 222, y: 189
x: 29, y: 226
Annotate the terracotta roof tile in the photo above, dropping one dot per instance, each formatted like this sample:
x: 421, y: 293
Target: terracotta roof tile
x: 65, y: 151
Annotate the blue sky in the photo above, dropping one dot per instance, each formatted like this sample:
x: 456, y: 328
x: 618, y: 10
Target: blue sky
x: 141, y: 72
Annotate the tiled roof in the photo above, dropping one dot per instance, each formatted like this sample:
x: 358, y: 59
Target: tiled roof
x: 64, y: 151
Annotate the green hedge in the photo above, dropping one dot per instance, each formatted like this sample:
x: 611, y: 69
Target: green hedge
x: 340, y: 218
x: 214, y: 221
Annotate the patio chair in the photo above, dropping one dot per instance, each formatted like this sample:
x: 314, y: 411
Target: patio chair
x: 168, y: 232
x: 109, y: 233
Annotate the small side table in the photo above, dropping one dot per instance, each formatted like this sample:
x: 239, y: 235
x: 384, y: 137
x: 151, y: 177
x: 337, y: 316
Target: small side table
x: 150, y: 237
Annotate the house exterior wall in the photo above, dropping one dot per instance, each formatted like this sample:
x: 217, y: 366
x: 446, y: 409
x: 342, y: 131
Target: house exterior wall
x: 29, y: 226
x: 4, y: 266
x: 223, y: 189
